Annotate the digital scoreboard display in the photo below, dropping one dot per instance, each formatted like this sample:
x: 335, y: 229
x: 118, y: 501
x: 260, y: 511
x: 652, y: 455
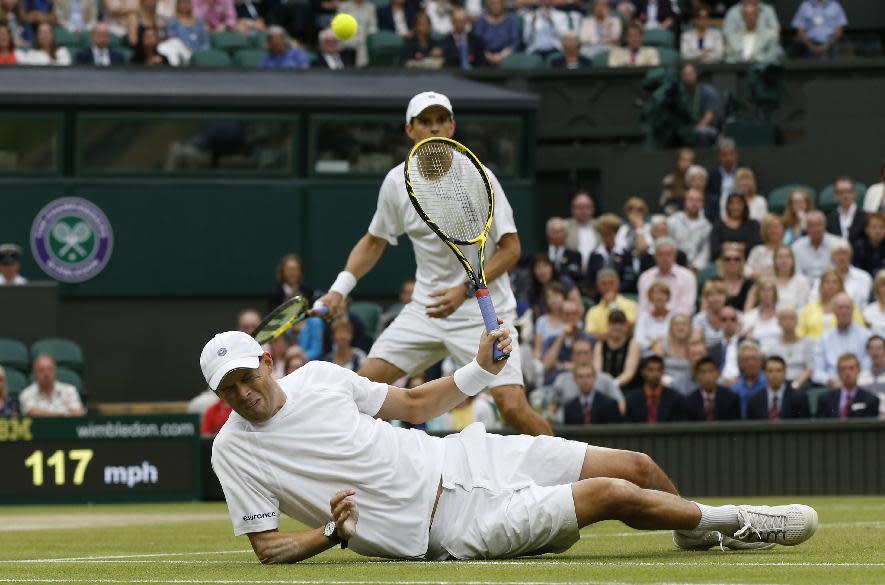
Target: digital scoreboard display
x: 95, y: 459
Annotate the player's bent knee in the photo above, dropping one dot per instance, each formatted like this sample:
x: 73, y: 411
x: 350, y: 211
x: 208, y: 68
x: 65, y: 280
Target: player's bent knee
x: 645, y: 469
x: 603, y: 498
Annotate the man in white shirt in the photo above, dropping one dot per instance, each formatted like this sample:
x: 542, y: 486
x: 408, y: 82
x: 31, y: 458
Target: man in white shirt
x: 543, y: 28
x: 812, y: 251
x: 438, y: 322
x: 682, y: 282
x: 310, y: 446
x: 691, y: 230
x: 10, y: 265
x: 857, y: 283
x: 582, y: 234
x: 47, y: 396
x: 847, y: 337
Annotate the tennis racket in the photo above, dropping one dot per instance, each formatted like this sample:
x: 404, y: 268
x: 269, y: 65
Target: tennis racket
x: 284, y: 317
x: 450, y: 190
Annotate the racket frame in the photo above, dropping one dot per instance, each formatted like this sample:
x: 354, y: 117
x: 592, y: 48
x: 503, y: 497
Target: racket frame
x: 303, y: 314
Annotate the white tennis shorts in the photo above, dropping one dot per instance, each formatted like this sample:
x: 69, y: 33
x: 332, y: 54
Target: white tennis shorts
x: 505, y: 496
x: 414, y: 342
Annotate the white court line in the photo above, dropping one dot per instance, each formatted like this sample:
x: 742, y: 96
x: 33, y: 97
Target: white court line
x: 135, y: 556
x: 324, y: 582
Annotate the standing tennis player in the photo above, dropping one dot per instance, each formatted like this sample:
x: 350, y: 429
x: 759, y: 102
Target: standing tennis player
x: 438, y: 322
x: 312, y: 446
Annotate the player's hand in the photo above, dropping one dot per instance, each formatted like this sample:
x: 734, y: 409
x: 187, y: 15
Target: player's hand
x: 335, y: 302
x: 484, y: 358
x: 345, y: 513
x: 447, y: 301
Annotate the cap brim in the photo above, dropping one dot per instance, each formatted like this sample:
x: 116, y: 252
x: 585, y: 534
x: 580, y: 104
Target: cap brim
x: 250, y: 363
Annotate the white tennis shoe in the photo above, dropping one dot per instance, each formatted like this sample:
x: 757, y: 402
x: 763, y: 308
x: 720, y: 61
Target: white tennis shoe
x: 707, y: 539
x: 787, y: 525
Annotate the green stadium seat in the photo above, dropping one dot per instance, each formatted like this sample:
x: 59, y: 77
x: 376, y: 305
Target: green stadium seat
x: 258, y: 40
x: 380, y: 3
x: 369, y: 314
x: 549, y: 59
x: 522, y: 61
x: 385, y: 48
x: 778, y: 198
x: 126, y: 52
x: 753, y: 133
x: 658, y: 37
x: 229, y: 41
x: 66, y: 375
x: 588, y: 303
x: 669, y: 56
x: 813, y: 393
x: 14, y: 354
x: 210, y: 58
x: 826, y: 202
x: 15, y: 381
x: 249, y: 57
x: 65, y: 352
x: 600, y: 59
x: 65, y: 38
x: 631, y: 297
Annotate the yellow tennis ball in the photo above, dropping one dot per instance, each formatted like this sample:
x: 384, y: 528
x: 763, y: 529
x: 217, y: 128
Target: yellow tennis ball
x: 344, y: 26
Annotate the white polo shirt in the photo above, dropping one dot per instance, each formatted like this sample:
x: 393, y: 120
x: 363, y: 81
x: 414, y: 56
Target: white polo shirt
x: 437, y: 266
x: 322, y: 440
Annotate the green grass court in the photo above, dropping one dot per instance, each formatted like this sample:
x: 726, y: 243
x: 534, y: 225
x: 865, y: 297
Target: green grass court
x: 193, y: 543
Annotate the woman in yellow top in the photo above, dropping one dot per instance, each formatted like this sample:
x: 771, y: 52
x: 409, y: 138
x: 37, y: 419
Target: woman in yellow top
x: 817, y: 316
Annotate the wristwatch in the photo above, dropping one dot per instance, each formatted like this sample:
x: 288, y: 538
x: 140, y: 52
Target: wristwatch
x: 330, y: 531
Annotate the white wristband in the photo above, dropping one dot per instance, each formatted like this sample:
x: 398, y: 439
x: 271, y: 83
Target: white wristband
x: 472, y: 379
x: 344, y: 283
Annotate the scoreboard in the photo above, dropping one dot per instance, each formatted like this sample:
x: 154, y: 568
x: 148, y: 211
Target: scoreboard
x: 100, y: 459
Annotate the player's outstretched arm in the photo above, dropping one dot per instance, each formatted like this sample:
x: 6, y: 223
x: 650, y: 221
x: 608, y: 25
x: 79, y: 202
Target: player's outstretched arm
x: 275, y: 547
x: 420, y: 404
x: 363, y: 257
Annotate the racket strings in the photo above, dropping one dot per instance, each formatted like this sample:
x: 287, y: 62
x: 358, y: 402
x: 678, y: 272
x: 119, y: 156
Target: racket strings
x: 450, y: 190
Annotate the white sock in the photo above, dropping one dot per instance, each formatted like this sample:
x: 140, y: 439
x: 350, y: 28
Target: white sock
x: 721, y: 518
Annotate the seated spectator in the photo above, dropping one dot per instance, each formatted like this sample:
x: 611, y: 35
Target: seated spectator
x: 711, y: 402
x: 751, y: 43
x: 857, y: 283
x: 674, y: 349
x: 281, y: 53
x: 278, y: 347
x: 219, y: 15
x: 869, y: 250
x: 75, y: 21
x: 705, y: 105
x: 655, y: 13
x: 761, y: 323
x: 819, y: 25
x: 812, y: 251
x: 582, y: 234
x: 566, y: 261
x: 874, y: 199
x: 610, y: 299
x: 707, y: 323
x: 479, y: 408
x: 618, y: 354
x: 591, y: 407
x: 847, y: 400
x: 564, y: 389
x: 32, y: 13
x: 186, y: 27
x: 681, y: 281
x: 845, y: 337
x: 874, y: 313
x: 9, y: 17
x: 871, y: 378
x: 797, y: 352
x: 100, y: 53
x: 440, y: 13
x: 47, y: 397
x: 847, y: 220
x: 290, y: 281
x: 498, y: 31
x: 725, y: 352
x: 405, y: 297
x: 461, y: 48
x: 745, y: 184
x: 248, y: 321
x: 45, y: 52
x: 653, y: 402
x: 421, y: 51
x: 543, y: 27
x: 736, y: 226
x: 674, y: 185
x: 600, y: 31
x: 730, y: 270
x: 761, y: 260
x: 549, y: 325
x: 703, y: 43
x: 780, y: 400
x: 8, y: 402
x: 654, y: 321
x: 146, y: 49
x: 295, y: 358
x: 721, y: 182
x: 734, y: 20
x: 116, y: 14
x: 398, y: 17
x: 343, y: 353
x: 10, y: 260
x: 146, y: 16
x: 214, y: 418
x: 323, y: 11
x: 557, y: 351
x: 750, y: 378
x: 329, y: 56
x: 604, y: 255
x: 571, y: 58
x: 636, y: 227
x: 691, y: 230
x: 633, y: 54
x: 367, y: 23
x: 310, y: 335
x: 795, y: 215
x: 817, y: 317
x: 249, y: 21
x: 8, y: 53
x: 542, y: 274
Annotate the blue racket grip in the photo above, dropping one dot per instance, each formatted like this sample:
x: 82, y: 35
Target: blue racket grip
x: 319, y: 310
x: 490, y: 318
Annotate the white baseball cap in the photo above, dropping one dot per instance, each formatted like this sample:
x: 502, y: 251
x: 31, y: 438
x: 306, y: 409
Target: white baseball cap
x: 228, y: 351
x: 424, y: 100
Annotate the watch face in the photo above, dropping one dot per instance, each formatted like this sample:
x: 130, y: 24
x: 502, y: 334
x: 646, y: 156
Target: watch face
x: 329, y: 530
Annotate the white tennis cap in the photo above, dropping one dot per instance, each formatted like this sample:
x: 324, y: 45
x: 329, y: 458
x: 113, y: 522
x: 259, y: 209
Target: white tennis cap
x: 424, y: 100
x: 228, y: 351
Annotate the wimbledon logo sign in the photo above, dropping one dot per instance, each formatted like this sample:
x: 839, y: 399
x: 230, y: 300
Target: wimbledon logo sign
x: 71, y: 239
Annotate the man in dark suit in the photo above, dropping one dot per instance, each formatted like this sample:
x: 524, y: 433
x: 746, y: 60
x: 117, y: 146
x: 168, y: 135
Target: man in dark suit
x: 571, y: 57
x: 659, y: 10
x: 652, y: 402
x: 330, y: 57
x: 711, y: 402
x: 848, y: 220
x: 461, y: 48
x: 849, y: 401
x: 590, y: 407
x: 398, y: 16
x: 100, y: 53
x: 780, y: 400
x: 566, y: 261
x: 721, y: 181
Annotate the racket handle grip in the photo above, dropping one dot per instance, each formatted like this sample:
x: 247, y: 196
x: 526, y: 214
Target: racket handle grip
x: 319, y: 310
x: 490, y: 318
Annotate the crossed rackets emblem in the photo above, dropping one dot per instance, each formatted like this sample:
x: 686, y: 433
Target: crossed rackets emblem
x: 72, y: 237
